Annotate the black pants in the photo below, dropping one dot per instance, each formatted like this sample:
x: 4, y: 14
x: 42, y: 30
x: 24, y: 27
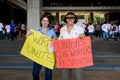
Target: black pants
x: 13, y: 36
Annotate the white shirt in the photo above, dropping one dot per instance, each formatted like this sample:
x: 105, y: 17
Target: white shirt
x: 74, y: 33
x: 116, y: 28
x: 83, y: 26
x: 1, y: 26
x: 119, y: 28
x: 91, y: 28
x: 23, y: 26
x: 7, y: 28
x: 105, y: 27
x: 109, y: 25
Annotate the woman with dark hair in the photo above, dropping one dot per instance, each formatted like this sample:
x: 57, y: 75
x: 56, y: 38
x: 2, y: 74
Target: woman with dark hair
x: 46, y: 30
x: 69, y: 31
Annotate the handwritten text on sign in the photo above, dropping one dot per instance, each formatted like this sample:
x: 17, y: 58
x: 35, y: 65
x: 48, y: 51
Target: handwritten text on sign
x: 36, y: 49
x: 73, y: 53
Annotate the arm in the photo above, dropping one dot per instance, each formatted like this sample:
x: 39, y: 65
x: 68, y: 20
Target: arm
x: 55, y: 38
x: 82, y: 35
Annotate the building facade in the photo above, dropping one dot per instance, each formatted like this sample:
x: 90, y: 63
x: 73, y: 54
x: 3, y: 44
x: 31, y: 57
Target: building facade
x: 96, y: 11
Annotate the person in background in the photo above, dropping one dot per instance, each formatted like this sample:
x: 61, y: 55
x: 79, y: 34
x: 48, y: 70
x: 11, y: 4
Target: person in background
x: 84, y: 27
x: 46, y: 30
x: 106, y: 30
x: 98, y: 30
x: 7, y: 27
x: 119, y: 30
x: 23, y: 29
x: 58, y: 29
x: 70, y: 31
x: 13, y: 30
x: 91, y: 30
x: 1, y: 30
x: 115, y: 30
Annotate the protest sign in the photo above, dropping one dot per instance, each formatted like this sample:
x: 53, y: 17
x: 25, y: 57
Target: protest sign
x: 36, y: 49
x: 73, y: 53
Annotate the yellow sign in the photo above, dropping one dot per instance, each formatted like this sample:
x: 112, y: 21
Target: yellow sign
x: 36, y: 49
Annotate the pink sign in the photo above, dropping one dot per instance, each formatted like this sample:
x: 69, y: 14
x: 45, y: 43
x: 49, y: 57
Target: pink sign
x: 73, y: 53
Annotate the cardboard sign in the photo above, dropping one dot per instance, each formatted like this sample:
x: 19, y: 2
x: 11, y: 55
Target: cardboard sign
x: 73, y: 53
x: 36, y: 49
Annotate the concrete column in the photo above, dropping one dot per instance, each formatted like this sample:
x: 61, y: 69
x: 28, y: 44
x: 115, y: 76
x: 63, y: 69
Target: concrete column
x: 91, y: 17
x: 86, y: 18
x: 106, y: 17
x: 57, y: 17
x: 33, y: 14
x: 41, y: 8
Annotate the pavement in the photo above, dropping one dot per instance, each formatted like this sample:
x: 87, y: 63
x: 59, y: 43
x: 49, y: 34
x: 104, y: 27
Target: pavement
x: 106, y: 57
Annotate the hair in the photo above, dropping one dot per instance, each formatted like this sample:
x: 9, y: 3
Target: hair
x: 71, y: 13
x: 44, y: 17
